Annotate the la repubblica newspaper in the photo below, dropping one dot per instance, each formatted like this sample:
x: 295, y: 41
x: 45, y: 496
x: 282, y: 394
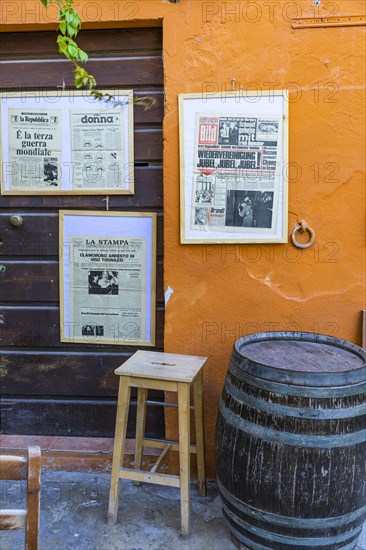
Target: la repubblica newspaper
x: 35, y: 148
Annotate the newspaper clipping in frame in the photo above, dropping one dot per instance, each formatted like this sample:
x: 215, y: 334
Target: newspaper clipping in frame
x: 236, y: 173
x: 97, y: 142
x: 35, y: 148
x: 107, y: 289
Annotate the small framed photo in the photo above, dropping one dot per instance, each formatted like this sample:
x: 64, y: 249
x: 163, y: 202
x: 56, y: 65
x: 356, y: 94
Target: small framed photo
x: 66, y: 142
x: 107, y: 277
x: 233, y: 167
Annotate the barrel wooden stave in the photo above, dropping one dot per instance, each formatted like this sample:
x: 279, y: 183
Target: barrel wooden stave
x: 279, y: 491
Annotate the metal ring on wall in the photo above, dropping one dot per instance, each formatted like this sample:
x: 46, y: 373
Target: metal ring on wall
x: 302, y: 226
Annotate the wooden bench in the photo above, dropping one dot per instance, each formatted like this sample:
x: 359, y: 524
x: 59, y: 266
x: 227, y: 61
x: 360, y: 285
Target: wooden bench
x: 18, y: 468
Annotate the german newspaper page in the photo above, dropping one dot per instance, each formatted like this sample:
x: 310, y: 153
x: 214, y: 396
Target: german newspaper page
x: 236, y: 179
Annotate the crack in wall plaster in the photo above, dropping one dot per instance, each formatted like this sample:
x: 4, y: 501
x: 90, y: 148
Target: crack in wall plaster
x: 275, y: 288
x: 334, y: 193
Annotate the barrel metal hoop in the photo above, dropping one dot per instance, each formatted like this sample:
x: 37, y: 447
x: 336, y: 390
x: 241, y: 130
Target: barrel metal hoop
x: 284, y: 539
x: 256, y: 546
x: 286, y: 521
x: 287, y: 438
x: 297, y: 412
x: 245, y: 540
x: 297, y: 391
x: 248, y: 542
x: 291, y: 376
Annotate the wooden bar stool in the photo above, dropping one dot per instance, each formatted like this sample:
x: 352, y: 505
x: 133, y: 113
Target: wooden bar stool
x: 168, y: 372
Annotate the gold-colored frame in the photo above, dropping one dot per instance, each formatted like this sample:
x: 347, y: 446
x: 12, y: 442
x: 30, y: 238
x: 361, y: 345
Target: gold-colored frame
x: 129, y: 156
x: 152, y: 310
x: 225, y: 96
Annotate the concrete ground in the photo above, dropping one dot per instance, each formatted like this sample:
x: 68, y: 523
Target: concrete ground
x: 74, y: 507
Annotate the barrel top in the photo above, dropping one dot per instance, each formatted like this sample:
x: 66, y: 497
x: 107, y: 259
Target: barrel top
x: 302, y: 356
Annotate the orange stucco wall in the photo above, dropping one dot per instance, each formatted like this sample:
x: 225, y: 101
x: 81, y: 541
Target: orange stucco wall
x: 222, y: 292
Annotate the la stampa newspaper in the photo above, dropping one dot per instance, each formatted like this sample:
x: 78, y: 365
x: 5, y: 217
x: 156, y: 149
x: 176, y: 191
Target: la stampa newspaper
x: 107, y: 289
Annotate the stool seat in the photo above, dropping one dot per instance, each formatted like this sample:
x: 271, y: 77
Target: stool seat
x: 168, y: 372
x: 162, y: 366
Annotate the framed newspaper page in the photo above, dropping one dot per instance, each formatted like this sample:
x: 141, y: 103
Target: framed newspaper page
x: 66, y: 142
x: 233, y: 167
x: 107, y: 277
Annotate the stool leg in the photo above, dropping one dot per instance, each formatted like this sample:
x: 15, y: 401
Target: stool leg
x: 140, y: 428
x: 200, y: 442
x: 119, y: 443
x: 184, y: 454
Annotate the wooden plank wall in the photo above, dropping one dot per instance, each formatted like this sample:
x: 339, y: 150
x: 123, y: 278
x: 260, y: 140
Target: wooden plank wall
x: 48, y: 387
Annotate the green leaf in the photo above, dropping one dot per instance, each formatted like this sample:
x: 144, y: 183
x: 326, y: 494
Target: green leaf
x: 62, y: 27
x: 71, y: 42
x: 77, y: 20
x: 72, y: 50
x: 62, y: 14
x: 83, y: 56
x: 62, y: 44
x: 44, y: 3
x: 70, y: 30
x: 62, y: 48
x: 75, y: 24
x: 61, y: 38
x: 80, y: 75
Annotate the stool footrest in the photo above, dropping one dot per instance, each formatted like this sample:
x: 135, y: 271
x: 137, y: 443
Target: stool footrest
x: 161, y: 443
x: 160, y: 459
x: 148, y: 477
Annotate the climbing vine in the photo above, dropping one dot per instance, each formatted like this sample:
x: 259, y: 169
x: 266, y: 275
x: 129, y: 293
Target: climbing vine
x: 68, y: 29
x: 69, y: 26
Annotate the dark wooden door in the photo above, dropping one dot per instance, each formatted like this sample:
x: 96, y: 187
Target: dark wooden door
x: 49, y: 387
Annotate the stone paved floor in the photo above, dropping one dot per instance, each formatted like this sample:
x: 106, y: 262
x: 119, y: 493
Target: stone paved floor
x: 73, y: 516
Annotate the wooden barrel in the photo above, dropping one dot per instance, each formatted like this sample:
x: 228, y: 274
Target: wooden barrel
x: 290, y: 442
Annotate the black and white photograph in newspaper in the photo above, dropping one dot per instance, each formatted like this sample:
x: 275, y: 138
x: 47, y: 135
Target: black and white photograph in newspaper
x: 249, y: 209
x: 103, y: 282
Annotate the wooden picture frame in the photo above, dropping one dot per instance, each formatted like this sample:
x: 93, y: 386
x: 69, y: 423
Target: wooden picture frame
x: 107, y: 277
x: 233, y: 167
x: 66, y: 143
